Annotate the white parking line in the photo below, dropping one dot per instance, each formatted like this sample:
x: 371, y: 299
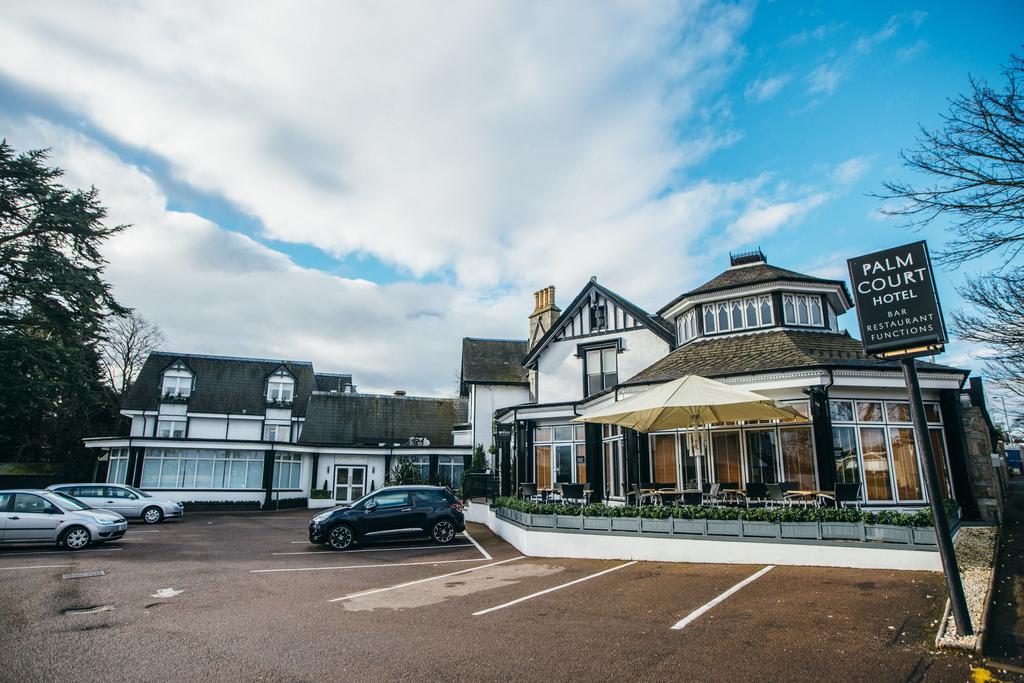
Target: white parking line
x: 457, y: 546
x: 695, y: 614
x: 61, y: 552
x: 358, y: 566
x: 551, y: 590
x: 487, y: 555
x: 38, y: 566
x: 429, y: 578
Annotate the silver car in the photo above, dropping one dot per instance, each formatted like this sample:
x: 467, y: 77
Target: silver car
x: 126, y: 500
x: 37, y: 516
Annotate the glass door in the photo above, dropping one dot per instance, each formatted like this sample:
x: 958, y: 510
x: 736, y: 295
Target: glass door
x: 349, y: 483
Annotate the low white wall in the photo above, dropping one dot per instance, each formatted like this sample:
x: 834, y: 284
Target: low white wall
x: 706, y: 551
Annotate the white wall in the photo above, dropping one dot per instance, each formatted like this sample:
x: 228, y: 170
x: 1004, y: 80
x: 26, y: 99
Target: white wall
x: 374, y: 464
x: 560, y: 372
x: 484, y: 400
x: 207, y: 428
x: 244, y: 430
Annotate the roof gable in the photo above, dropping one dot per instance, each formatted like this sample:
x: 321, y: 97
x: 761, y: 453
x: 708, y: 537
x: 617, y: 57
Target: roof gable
x: 492, y: 361
x: 621, y: 315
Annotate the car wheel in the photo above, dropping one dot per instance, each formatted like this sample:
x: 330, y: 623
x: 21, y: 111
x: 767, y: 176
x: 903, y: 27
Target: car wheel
x: 75, y: 538
x: 443, y: 532
x: 152, y: 515
x: 341, y: 537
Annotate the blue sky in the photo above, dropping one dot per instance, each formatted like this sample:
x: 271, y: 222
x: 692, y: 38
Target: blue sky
x: 364, y: 185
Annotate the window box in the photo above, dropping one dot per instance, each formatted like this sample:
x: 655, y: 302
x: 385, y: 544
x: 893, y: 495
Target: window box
x: 695, y: 527
x: 924, y: 535
x: 723, y: 527
x: 799, y: 529
x: 842, y: 531
x: 542, y: 521
x: 279, y: 403
x: 597, y: 523
x: 175, y: 398
x: 656, y: 526
x: 625, y: 523
x: 887, y: 533
x: 760, y: 529
x: 566, y: 522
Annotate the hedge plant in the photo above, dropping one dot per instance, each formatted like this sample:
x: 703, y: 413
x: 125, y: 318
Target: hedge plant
x: 921, y: 518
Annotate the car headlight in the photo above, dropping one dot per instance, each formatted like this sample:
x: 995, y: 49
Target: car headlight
x: 320, y: 518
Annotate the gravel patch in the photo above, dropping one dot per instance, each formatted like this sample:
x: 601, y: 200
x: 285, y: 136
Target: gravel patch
x: 975, y: 553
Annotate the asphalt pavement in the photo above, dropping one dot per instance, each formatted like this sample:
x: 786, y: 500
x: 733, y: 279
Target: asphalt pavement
x: 245, y: 597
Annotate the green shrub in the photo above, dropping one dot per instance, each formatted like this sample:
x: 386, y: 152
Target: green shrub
x: 780, y: 514
x: 319, y: 494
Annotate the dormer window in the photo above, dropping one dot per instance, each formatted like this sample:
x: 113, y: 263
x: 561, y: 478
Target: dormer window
x: 280, y: 387
x: 177, y: 382
x: 686, y: 326
x: 600, y: 369
x: 735, y: 315
x: 802, y: 309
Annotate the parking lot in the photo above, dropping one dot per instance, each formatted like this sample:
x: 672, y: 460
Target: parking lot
x: 245, y: 596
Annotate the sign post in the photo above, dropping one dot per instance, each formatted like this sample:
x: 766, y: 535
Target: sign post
x: 900, y: 317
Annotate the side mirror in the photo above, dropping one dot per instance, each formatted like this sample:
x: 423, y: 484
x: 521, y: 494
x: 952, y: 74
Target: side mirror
x: 132, y: 496
x: 370, y: 506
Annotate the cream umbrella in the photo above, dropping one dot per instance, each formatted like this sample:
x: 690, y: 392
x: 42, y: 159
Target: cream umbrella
x: 687, y: 403
x: 690, y: 401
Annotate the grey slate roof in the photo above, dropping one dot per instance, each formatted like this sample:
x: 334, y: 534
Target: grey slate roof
x: 764, y: 351
x: 744, y: 276
x: 492, y: 361
x: 222, y: 384
x: 329, y: 381
x: 371, y: 419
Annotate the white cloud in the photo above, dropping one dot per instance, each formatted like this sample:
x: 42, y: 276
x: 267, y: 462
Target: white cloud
x: 910, y: 52
x: 824, y: 79
x: 764, y: 89
x: 851, y: 170
x: 865, y: 44
x: 762, y: 218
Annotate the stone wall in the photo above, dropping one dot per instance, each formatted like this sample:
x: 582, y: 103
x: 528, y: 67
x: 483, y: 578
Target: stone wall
x: 984, y: 477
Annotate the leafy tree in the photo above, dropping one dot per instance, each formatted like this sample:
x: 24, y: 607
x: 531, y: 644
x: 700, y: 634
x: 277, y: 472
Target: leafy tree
x: 976, y: 163
x: 478, y: 463
x: 127, y: 342
x: 53, y: 304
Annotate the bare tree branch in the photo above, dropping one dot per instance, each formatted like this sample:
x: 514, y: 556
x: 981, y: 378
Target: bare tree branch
x: 127, y: 342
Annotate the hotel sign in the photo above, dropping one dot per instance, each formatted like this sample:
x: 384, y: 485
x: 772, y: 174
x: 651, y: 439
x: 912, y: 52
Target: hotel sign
x: 897, y: 303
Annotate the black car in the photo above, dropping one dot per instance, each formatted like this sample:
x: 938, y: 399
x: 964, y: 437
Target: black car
x: 392, y: 512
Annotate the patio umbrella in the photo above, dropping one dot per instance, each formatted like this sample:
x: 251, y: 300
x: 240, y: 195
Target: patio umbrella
x: 690, y: 401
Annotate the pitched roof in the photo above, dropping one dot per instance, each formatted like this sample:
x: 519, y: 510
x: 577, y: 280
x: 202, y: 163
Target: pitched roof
x: 330, y: 381
x: 765, y: 351
x: 222, y: 384
x: 654, y: 323
x: 493, y: 361
x: 748, y: 275
x: 372, y: 419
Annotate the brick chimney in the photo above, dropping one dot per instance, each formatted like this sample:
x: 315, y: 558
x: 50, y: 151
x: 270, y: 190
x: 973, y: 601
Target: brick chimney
x: 545, y: 312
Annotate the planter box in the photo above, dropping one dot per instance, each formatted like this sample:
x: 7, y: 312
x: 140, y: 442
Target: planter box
x: 546, y: 521
x: 317, y: 503
x: 597, y: 523
x: 924, y: 535
x: 723, y: 527
x: 761, y: 529
x: 887, y: 533
x: 564, y: 522
x: 841, y: 531
x: 657, y: 526
x: 625, y: 523
x: 693, y: 527
x: 799, y: 529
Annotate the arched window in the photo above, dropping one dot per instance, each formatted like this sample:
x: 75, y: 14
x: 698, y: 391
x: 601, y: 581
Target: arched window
x: 766, y: 310
x: 816, y: 318
x: 709, y: 319
x: 750, y: 309
x: 737, y: 315
x: 789, y: 309
x: 723, y: 317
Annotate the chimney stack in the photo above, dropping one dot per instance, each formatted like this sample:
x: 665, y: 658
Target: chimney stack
x: 544, y: 315
x: 399, y: 392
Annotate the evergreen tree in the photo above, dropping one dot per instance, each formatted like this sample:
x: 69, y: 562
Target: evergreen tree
x: 53, y: 305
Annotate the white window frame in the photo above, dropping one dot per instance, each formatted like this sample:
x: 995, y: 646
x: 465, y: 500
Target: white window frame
x: 171, y: 428
x: 287, y: 471
x: 280, y: 387
x: 220, y: 465
x: 728, y: 306
x: 811, y: 302
x: 272, y: 432
x: 176, y: 383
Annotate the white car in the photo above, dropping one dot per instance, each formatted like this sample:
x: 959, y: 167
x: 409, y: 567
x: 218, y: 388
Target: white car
x: 36, y: 516
x: 126, y: 500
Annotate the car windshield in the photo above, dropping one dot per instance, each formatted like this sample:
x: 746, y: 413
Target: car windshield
x: 69, y: 502
x: 138, y: 491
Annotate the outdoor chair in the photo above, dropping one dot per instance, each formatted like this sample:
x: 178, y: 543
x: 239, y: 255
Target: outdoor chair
x: 788, y: 486
x: 639, y: 497
x: 847, y: 493
x: 730, y: 485
x: 572, y: 493
x: 588, y: 491
x: 528, y: 491
x: 693, y: 498
x: 669, y: 498
x: 775, y: 496
x: 711, y: 496
x: 756, y: 493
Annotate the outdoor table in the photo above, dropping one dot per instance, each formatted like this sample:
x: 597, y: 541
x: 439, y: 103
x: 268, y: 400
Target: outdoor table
x: 807, y: 495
